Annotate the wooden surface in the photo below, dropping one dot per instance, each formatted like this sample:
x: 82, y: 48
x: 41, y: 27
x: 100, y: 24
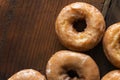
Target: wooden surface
x: 113, y: 14
x: 28, y: 38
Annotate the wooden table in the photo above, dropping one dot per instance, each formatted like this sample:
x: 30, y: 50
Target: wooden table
x: 28, y: 38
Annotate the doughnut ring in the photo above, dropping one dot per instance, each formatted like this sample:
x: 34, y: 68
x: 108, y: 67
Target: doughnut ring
x: 90, y: 36
x: 27, y: 74
x: 112, y: 75
x: 68, y: 65
x: 111, y: 44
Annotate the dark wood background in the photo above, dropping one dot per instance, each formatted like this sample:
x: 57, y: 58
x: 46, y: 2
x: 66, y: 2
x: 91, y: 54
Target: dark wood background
x: 28, y: 38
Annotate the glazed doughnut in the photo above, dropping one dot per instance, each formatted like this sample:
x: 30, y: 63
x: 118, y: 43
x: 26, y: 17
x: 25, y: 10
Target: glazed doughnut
x: 111, y: 44
x: 27, y: 74
x: 112, y: 75
x: 69, y: 36
x: 68, y: 65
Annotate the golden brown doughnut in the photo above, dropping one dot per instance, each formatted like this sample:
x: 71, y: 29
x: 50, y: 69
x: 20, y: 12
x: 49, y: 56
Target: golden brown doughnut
x: 68, y: 65
x: 111, y: 44
x: 71, y: 38
x: 27, y: 74
x: 112, y: 75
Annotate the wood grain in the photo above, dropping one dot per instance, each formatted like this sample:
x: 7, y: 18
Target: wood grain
x: 113, y: 15
x: 28, y: 38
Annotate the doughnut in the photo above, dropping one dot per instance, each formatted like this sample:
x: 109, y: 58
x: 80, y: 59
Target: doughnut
x: 27, y: 74
x: 80, y: 40
x: 111, y: 44
x: 68, y: 65
x: 112, y: 75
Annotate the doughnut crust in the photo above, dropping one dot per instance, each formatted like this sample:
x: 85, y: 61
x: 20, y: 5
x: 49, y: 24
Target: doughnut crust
x: 27, y: 74
x: 112, y: 75
x: 111, y: 44
x: 92, y: 34
x: 62, y: 62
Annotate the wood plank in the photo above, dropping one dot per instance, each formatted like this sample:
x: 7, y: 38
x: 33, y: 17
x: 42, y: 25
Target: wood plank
x: 113, y: 15
x: 27, y: 34
x: 105, y: 7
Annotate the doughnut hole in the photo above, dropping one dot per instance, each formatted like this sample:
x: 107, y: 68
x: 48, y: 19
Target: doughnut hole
x: 72, y: 74
x: 119, y: 39
x: 79, y: 25
x: 119, y: 42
